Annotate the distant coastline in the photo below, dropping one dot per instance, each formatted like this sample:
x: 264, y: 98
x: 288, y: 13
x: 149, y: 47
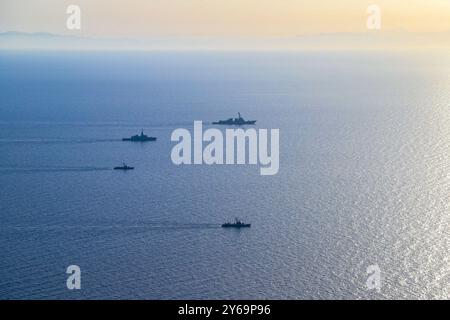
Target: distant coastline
x: 14, y: 40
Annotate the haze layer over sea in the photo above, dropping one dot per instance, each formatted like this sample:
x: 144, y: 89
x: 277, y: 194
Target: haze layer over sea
x: 363, y: 179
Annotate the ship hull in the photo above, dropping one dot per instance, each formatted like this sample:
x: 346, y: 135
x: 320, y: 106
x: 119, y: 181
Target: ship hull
x: 227, y: 225
x: 139, y: 140
x: 234, y: 124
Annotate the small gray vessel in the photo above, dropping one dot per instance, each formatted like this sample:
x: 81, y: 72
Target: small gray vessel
x: 239, y: 121
x: 236, y: 224
x: 124, y: 167
x: 140, y: 138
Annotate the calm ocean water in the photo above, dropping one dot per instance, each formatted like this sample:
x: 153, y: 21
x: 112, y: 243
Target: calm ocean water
x: 364, y: 176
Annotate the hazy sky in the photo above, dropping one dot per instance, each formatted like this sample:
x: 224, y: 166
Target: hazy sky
x: 222, y: 17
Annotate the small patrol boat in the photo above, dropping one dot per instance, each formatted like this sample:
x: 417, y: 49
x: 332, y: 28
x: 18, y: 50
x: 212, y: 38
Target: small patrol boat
x: 124, y: 167
x: 236, y: 224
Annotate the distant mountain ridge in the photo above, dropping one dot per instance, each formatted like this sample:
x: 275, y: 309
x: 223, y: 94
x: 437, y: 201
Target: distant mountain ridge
x: 46, y: 40
x: 15, y: 40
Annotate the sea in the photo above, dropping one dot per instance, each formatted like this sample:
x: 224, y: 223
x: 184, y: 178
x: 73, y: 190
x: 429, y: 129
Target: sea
x: 363, y: 182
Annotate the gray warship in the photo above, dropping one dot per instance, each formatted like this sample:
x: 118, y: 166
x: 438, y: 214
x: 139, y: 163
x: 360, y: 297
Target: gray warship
x: 140, y: 138
x: 124, y: 167
x: 236, y: 224
x: 239, y: 121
